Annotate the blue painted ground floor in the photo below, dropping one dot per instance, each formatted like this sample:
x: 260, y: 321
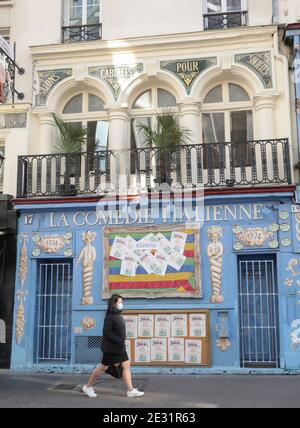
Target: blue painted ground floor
x: 209, y: 286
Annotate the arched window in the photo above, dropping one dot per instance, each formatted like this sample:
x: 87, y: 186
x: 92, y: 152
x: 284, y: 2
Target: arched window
x: 227, y: 116
x: 87, y: 110
x: 145, y: 107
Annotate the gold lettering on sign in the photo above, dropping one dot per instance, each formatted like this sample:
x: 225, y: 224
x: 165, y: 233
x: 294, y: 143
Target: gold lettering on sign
x: 47, y: 85
x: 259, y: 65
x: 188, y: 67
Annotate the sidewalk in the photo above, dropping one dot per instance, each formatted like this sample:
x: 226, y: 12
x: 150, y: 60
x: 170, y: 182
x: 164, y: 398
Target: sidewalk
x: 161, y: 391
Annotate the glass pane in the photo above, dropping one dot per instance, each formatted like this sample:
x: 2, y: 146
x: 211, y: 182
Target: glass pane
x: 233, y: 5
x: 137, y: 137
x: 143, y: 101
x: 214, y: 6
x: 95, y: 103
x: 241, y: 134
x: 166, y: 99
x: 213, y: 127
x: 2, y: 152
x: 214, y: 96
x: 97, y: 141
x: 97, y: 135
x: 241, y: 126
x: 93, y: 12
x: 76, y: 12
x: 237, y: 93
x: 213, y: 132
x: 74, y: 105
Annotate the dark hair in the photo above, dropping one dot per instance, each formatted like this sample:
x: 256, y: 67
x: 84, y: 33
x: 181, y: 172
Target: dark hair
x: 112, y: 301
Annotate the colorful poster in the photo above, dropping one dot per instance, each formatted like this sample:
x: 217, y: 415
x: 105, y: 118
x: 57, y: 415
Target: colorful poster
x: 131, y: 326
x: 129, y: 266
x: 179, y: 325
x: 197, y: 325
x: 159, y: 350
x: 161, y: 263
x: 176, y: 261
x: 163, y: 325
x: 178, y: 241
x: 147, y: 260
x: 142, y: 351
x: 118, y: 249
x: 176, y: 350
x: 147, y: 243
x: 145, y: 325
x: 160, y: 272
x: 193, y: 351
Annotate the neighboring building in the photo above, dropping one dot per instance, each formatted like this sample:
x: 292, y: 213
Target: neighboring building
x: 220, y: 297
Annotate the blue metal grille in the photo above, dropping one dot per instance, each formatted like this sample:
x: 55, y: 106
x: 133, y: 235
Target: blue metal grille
x: 259, y: 323
x: 53, y: 313
x: 88, y: 350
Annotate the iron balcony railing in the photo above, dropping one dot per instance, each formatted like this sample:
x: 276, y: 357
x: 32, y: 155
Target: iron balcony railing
x: 217, y: 21
x: 79, y: 33
x: 214, y: 165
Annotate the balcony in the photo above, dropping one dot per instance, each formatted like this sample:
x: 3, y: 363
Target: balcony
x: 79, y: 33
x: 224, y: 20
x: 218, y: 165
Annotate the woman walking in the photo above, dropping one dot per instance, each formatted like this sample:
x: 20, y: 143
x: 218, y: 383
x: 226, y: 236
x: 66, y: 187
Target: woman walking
x: 114, y: 349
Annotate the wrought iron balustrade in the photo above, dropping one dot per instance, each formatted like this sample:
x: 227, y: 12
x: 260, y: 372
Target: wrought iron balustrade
x: 214, y: 165
x: 79, y: 33
x: 217, y: 21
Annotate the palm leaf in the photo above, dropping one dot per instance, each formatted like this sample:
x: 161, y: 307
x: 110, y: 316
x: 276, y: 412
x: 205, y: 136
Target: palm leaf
x: 71, y: 138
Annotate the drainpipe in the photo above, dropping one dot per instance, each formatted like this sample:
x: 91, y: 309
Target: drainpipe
x: 275, y: 18
x: 287, y: 93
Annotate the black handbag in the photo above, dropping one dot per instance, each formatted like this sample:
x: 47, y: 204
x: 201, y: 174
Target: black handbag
x: 115, y: 371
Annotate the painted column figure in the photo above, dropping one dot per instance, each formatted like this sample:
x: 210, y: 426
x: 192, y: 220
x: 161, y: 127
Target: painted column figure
x: 215, y: 252
x: 87, y: 256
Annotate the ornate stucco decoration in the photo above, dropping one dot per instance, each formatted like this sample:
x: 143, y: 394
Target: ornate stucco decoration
x: 223, y: 344
x: 253, y: 236
x: 260, y: 63
x: 21, y: 293
x: 52, y: 244
x: 215, y: 252
x: 87, y: 256
x: 88, y: 323
x: 295, y: 335
x: 116, y: 76
x: 188, y: 70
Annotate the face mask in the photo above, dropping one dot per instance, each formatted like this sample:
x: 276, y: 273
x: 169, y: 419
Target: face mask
x: 119, y: 306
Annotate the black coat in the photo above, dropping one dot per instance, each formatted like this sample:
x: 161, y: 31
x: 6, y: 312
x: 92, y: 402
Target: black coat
x: 114, y: 334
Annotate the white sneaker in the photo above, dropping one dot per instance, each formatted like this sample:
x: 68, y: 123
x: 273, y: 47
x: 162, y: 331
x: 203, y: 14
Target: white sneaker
x: 134, y: 393
x: 90, y: 392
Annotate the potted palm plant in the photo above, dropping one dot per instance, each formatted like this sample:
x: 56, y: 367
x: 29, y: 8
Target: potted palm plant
x: 69, y: 143
x: 167, y: 136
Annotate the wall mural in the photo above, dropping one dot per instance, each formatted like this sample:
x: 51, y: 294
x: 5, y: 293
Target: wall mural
x: 21, y: 293
x: 188, y: 70
x: 223, y: 343
x: 87, y: 256
x: 215, y: 252
x: 251, y: 237
x: 260, y: 63
x: 116, y: 76
x: 162, y: 263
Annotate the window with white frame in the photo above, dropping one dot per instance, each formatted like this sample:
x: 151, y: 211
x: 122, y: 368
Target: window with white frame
x: 222, y: 14
x: 2, y: 153
x: 86, y: 110
x: 82, y: 20
x: 144, y: 109
x: 227, y: 116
